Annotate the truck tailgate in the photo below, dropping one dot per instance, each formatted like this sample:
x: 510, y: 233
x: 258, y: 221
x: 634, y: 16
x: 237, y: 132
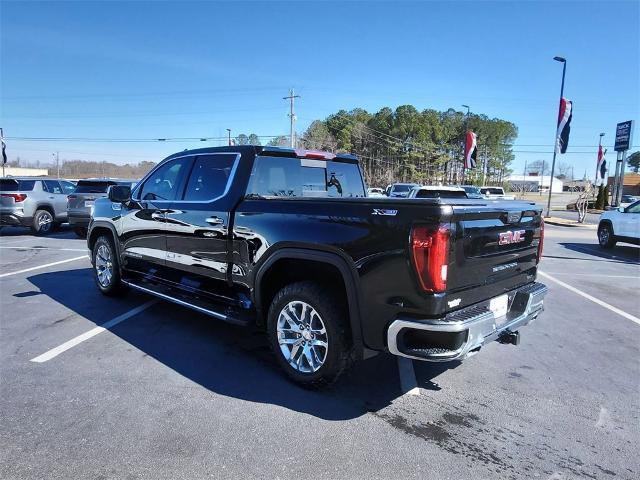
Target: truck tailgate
x: 493, y: 243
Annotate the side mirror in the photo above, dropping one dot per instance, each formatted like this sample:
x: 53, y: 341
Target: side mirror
x: 119, y: 193
x: 621, y: 209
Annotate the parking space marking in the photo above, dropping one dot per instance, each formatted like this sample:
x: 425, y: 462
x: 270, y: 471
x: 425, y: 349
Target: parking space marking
x: 47, y: 248
x: 592, y: 275
x: 44, y: 266
x: 54, y: 352
x: 622, y: 313
x: 408, y: 382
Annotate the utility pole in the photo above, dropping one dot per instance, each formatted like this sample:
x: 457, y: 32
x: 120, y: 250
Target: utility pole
x: 57, y: 156
x: 292, y: 116
x: 555, y: 144
x: 3, y: 149
x: 229, y: 132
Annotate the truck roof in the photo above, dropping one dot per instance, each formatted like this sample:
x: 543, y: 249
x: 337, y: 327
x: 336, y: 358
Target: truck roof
x: 273, y: 151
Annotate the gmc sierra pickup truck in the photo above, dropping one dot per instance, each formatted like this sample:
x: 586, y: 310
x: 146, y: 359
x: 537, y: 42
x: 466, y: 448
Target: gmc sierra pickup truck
x: 287, y: 239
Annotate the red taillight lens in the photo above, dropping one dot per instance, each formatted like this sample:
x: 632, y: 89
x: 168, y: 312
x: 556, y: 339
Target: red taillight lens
x: 541, y: 244
x: 315, y: 154
x: 430, y: 251
x: 17, y: 197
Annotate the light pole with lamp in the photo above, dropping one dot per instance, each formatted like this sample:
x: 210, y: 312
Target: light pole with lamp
x: 464, y: 141
x: 555, y: 143
x: 229, y: 132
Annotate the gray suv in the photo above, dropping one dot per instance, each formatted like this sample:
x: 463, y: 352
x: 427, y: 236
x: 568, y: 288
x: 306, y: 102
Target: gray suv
x: 39, y: 203
x: 80, y: 202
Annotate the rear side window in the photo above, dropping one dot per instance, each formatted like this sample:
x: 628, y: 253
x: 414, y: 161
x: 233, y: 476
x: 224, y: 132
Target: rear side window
x: 209, y: 177
x: 93, y: 186
x: 52, y: 186
x: 164, y: 183
x: 14, y: 185
x: 295, y: 177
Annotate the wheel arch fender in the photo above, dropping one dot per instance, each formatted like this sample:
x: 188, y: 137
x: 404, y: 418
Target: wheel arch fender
x: 349, y: 279
x: 94, y: 232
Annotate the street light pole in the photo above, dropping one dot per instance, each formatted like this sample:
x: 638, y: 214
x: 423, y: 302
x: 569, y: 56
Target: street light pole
x: 555, y: 143
x: 229, y: 132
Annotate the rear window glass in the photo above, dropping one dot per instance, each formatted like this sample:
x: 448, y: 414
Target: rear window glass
x: 295, y: 177
x: 13, y: 185
x: 440, y: 194
x: 401, y: 188
x: 93, y: 186
x: 493, y: 191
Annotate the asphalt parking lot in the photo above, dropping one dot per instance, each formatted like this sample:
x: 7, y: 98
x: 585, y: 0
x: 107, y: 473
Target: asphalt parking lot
x: 163, y: 392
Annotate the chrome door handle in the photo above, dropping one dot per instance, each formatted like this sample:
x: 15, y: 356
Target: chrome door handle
x: 157, y: 216
x: 214, y: 221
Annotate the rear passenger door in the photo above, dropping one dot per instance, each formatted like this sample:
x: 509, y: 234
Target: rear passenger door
x: 57, y: 197
x: 197, y: 224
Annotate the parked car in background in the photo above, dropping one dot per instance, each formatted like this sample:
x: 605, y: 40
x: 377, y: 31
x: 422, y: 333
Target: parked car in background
x: 38, y: 203
x: 472, y: 191
x: 495, y: 193
x: 428, y: 191
x: 620, y: 225
x: 81, y: 201
x: 627, y: 200
x: 375, y: 192
x: 400, y: 190
x: 256, y: 235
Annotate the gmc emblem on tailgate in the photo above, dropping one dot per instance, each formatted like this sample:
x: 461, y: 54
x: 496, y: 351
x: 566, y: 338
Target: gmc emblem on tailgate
x: 509, y: 237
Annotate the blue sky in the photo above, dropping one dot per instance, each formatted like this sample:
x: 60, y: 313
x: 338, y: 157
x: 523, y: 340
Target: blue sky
x: 192, y: 69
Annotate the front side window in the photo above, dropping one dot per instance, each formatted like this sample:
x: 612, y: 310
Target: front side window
x: 164, y: 183
x: 295, y: 177
x: 67, y: 187
x: 634, y: 208
x: 209, y: 177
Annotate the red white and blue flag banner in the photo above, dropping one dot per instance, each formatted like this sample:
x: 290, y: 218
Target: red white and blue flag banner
x: 564, y: 125
x: 602, y: 166
x: 470, y: 150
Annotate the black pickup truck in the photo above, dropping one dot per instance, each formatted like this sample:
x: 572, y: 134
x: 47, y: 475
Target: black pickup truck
x: 286, y: 239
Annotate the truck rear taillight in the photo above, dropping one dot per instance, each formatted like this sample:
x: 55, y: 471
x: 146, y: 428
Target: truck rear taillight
x: 541, y: 243
x: 430, y: 254
x: 17, y: 197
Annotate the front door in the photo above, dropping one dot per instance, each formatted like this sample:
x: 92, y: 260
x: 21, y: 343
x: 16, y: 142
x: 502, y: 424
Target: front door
x: 143, y: 226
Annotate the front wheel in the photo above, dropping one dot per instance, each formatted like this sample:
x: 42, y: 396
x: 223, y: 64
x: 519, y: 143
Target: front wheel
x: 106, y: 268
x: 42, y: 223
x: 606, y: 238
x: 308, y: 335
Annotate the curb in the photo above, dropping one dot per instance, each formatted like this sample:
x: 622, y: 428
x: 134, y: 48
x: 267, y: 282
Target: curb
x: 560, y: 223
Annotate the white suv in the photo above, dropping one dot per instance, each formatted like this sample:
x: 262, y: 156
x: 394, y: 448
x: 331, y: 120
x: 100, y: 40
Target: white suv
x: 620, y: 225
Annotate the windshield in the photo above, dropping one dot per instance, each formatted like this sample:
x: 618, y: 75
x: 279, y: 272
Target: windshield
x: 401, y: 188
x: 441, y: 194
x: 13, y: 185
x: 471, y: 189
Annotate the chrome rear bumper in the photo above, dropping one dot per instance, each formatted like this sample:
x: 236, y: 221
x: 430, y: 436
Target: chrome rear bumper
x: 462, y: 333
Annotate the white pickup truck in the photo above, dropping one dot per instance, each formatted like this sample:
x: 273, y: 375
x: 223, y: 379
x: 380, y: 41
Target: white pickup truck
x: 620, y: 225
x: 495, y: 193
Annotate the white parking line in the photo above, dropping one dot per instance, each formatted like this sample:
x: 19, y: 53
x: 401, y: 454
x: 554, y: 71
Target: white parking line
x: 54, y: 352
x: 592, y: 275
x: 44, y: 266
x: 622, y: 313
x: 408, y: 382
x: 47, y: 248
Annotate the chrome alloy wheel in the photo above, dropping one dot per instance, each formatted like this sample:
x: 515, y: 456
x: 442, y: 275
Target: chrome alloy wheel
x: 104, y: 265
x: 45, y: 220
x: 302, y: 337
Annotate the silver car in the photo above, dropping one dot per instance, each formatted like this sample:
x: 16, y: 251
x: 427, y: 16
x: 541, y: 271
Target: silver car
x: 39, y: 203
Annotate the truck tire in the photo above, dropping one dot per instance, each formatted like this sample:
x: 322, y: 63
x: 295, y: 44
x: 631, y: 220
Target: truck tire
x: 307, y: 334
x: 42, y: 223
x: 106, y: 267
x: 606, y: 238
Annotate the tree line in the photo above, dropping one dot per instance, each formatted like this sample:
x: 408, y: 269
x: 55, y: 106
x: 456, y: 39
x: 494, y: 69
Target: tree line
x: 409, y: 145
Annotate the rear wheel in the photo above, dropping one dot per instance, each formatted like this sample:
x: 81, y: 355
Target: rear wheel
x: 106, y: 268
x: 606, y: 238
x: 307, y: 334
x: 43, y: 222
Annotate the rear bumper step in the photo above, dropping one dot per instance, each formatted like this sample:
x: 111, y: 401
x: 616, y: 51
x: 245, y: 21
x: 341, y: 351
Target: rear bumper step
x: 456, y: 338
